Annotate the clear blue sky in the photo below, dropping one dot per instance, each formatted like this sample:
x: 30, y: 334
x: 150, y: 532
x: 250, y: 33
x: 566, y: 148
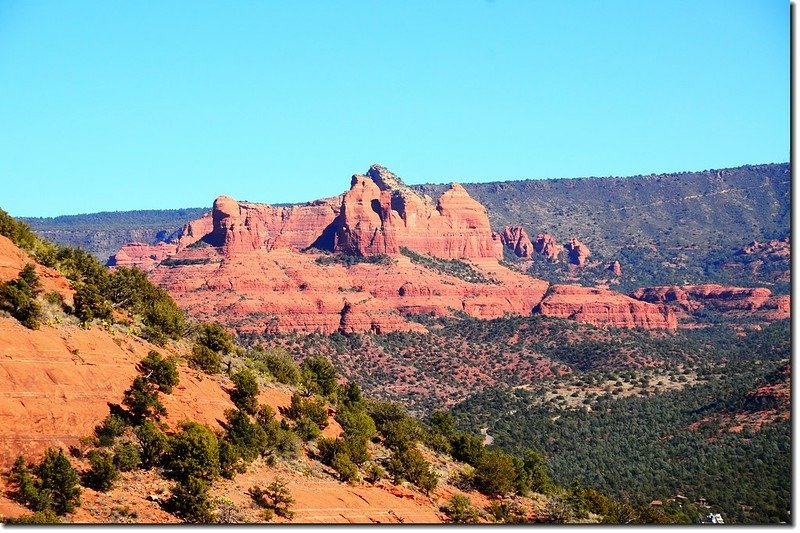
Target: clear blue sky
x: 110, y: 105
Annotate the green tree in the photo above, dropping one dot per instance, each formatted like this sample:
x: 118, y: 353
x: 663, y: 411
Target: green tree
x: 245, y: 392
x: 89, y: 304
x: 154, y: 443
x: 193, y: 452
x: 58, y: 483
x: 103, y: 472
x: 276, y: 498
x: 159, y: 371
x: 142, y: 400
x: 205, y: 359
x: 214, y: 337
x: 495, y: 473
x: 18, y: 298
x: 127, y: 457
x: 112, y: 427
x: 190, y: 502
x: 249, y: 438
x: 319, y: 375
x: 409, y: 464
x: 460, y: 510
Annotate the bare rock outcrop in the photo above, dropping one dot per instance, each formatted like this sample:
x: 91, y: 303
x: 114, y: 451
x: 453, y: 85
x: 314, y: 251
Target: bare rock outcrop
x: 690, y: 298
x: 379, y: 215
x: 603, y: 307
x: 547, y: 245
x: 515, y: 239
x: 577, y: 252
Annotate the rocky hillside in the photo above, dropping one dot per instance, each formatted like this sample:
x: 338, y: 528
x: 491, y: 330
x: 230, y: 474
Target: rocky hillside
x: 90, y: 401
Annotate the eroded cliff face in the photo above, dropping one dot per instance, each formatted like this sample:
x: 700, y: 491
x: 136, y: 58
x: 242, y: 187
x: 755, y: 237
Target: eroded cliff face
x: 380, y: 215
x: 687, y: 299
x: 256, y: 267
x: 516, y: 239
x: 603, y: 307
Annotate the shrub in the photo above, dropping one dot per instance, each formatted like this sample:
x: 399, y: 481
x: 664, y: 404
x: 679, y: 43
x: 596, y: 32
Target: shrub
x: 374, y: 473
x: 205, y: 359
x: 159, y: 371
x: 127, y: 457
x: 142, y: 400
x: 409, y: 464
x: 103, y: 473
x: 319, y: 375
x: 230, y: 461
x: 190, y: 502
x: 17, y: 232
x: 279, y: 363
x: 215, y: 338
x: 495, y: 473
x: 307, y: 429
x: 345, y: 467
x: 22, y: 484
x: 245, y: 393
x: 154, y: 444
x: 54, y: 487
x: 460, y: 510
x: 193, y: 452
x: 18, y: 298
x: 112, y: 427
x: 308, y: 408
x: 249, y: 439
x: 89, y: 304
x: 467, y: 448
x: 276, y: 498
x: 356, y: 423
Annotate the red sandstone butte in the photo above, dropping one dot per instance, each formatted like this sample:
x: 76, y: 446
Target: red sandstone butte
x: 515, y: 239
x: 380, y: 215
x: 577, y: 252
x: 257, y: 267
x: 603, y: 307
x: 547, y: 245
x: 689, y: 298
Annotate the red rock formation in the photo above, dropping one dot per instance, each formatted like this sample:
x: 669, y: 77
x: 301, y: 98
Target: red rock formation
x: 577, y: 252
x: 515, y: 239
x: 142, y: 256
x: 250, y: 271
x: 603, y: 307
x: 243, y: 227
x: 380, y: 215
x: 615, y: 268
x: 546, y: 245
x: 690, y: 298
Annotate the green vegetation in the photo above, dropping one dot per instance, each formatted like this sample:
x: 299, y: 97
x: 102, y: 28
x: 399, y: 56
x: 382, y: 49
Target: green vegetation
x: 275, y: 499
x: 205, y: 359
x: 159, y: 371
x: 102, y: 234
x: 319, y: 375
x: 275, y: 362
x: 189, y: 501
x: 50, y: 486
x: 643, y: 448
x: 18, y: 297
x: 103, y: 472
x: 459, y: 510
x: 142, y: 401
x: 448, y: 267
x: 350, y: 260
x: 193, y: 453
x: 245, y: 392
